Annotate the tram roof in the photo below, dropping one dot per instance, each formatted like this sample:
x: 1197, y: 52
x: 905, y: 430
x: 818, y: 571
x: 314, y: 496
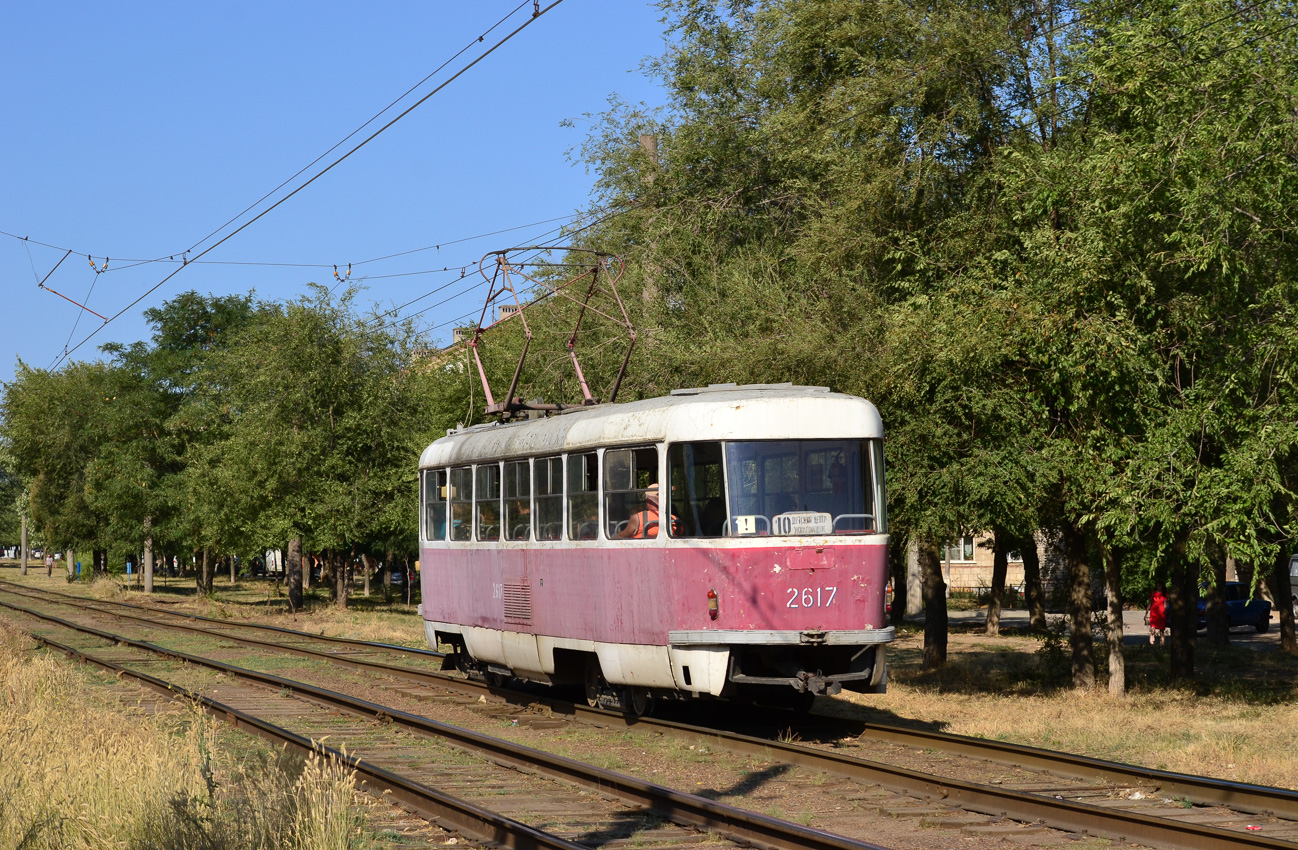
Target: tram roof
x: 716, y: 412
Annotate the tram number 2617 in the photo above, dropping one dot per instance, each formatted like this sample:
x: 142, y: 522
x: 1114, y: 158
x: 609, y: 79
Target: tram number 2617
x: 811, y: 597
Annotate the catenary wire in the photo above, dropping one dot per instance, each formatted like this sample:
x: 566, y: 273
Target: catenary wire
x: 375, y: 117
x: 538, y: 13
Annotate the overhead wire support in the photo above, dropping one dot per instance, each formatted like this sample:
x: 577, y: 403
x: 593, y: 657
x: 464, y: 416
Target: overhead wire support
x: 317, y: 176
x: 70, y: 301
x: 41, y: 284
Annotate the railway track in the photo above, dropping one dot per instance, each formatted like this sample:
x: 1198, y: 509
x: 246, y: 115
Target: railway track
x: 538, y: 786
x: 1035, y: 787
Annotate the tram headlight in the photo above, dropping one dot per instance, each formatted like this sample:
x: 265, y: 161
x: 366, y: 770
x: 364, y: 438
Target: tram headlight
x: 713, y: 610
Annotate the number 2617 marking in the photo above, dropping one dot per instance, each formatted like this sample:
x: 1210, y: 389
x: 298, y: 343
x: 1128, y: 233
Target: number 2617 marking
x: 811, y: 597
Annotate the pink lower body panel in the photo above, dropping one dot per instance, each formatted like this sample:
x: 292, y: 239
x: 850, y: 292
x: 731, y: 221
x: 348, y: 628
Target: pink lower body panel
x: 653, y: 604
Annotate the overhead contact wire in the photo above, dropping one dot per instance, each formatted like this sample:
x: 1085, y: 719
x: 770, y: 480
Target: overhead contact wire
x: 538, y: 13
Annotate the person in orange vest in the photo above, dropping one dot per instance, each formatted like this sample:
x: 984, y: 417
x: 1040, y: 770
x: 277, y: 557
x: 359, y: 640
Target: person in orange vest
x: 644, y: 524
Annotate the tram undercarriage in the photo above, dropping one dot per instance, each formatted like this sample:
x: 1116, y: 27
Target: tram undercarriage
x: 617, y: 677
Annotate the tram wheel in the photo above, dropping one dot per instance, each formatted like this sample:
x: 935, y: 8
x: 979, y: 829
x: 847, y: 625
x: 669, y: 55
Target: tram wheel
x: 640, y: 701
x: 595, y: 683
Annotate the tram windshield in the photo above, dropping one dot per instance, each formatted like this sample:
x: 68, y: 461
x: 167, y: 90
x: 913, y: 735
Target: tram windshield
x: 803, y: 487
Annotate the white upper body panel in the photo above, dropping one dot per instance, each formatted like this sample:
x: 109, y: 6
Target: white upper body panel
x: 719, y: 412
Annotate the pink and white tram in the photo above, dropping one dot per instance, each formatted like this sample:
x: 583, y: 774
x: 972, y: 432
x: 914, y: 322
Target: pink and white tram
x: 766, y: 580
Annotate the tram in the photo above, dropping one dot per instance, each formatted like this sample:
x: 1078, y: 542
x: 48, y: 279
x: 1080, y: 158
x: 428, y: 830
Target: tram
x: 727, y: 541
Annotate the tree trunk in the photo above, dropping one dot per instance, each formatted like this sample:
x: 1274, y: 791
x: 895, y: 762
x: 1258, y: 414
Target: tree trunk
x: 897, y: 546
x: 1182, y: 615
x: 1000, y: 568
x: 148, y: 554
x: 205, y: 572
x: 342, y: 584
x: 327, y: 579
x: 24, y: 545
x: 1033, y: 593
x: 368, y: 568
x: 1113, y: 634
x: 1079, y: 607
x: 935, y: 617
x: 233, y: 568
x: 293, y: 573
x: 1278, y: 579
x: 72, y: 564
x: 1215, y: 613
x: 308, y: 564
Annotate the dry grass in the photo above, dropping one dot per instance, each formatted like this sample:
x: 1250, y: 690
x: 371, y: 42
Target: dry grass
x: 78, y: 771
x: 1238, y: 720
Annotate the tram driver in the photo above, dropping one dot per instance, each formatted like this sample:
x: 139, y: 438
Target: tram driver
x: 644, y: 524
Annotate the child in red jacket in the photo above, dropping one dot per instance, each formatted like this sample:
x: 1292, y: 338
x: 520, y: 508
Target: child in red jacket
x: 1158, y: 614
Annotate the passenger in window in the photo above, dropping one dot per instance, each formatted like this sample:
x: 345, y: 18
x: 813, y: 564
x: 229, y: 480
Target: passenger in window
x: 644, y: 524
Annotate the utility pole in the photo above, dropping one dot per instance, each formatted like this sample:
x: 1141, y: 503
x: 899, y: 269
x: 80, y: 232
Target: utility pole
x: 24, y: 545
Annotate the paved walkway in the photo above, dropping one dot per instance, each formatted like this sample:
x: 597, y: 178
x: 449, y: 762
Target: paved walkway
x: 1134, y: 630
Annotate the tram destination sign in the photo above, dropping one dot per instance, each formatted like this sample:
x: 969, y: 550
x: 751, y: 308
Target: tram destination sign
x: 802, y: 523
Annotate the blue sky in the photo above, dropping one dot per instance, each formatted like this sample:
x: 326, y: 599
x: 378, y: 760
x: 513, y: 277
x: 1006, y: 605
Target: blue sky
x: 131, y: 131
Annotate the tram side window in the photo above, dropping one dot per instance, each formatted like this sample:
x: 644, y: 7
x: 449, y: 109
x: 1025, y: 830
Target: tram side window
x: 696, y: 481
x: 461, y: 503
x: 583, y: 496
x: 628, y: 476
x: 435, y: 504
x: 549, y: 498
x: 518, y: 500
x: 487, y: 502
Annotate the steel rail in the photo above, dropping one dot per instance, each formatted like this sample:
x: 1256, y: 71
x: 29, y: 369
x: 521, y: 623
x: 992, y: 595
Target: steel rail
x: 396, y: 671
x: 679, y: 807
x: 23, y: 590
x: 1240, y: 796
x: 986, y: 799
x: 445, y: 810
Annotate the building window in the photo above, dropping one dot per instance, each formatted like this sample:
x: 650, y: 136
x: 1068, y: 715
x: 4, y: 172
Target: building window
x: 962, y: 550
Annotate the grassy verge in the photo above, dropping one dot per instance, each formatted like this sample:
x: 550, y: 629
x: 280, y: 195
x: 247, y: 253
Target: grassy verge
x: 77, y: 770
